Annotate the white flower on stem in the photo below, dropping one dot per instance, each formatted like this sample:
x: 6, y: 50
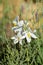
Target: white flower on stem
x: 16, y: 20
x: 18, y: 38
x: 21, y: 27
x: 28, y: 36
x: 15, y: 40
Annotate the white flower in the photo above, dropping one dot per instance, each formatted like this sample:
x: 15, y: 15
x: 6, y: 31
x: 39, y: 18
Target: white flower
x: 28, y: 36
x: 18, y: 38
x: 23, y: 31
x: 18, y: 26
x: 15, y: 40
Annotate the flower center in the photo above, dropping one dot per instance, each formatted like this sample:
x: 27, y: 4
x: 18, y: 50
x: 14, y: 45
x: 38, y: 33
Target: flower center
x: 28, y: 34
x: 14, y: 24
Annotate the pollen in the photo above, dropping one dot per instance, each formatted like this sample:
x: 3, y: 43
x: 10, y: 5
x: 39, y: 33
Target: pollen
x: 28, y: 34
x: 14, y: 24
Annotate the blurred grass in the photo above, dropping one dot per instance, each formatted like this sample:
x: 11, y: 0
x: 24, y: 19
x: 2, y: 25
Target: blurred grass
x: 41, y: 20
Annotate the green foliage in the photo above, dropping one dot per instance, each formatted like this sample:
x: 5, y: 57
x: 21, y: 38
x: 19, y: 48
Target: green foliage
x: 27, y: 54
x: 0, y: 1
x: 34, y: 1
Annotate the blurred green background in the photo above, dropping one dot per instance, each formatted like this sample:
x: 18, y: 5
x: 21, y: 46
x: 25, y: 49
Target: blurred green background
x: 29, y: 53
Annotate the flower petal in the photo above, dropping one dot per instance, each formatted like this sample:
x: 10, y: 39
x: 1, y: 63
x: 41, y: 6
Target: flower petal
x: 20, y: 23
x: 20, y: 42
x: 34, y: 31
x: 12, y: 38
x: 33, y: 35
x: 15, y: 41
x: 28, y: 39
x: 23, y: 37
x: 17, y: 28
